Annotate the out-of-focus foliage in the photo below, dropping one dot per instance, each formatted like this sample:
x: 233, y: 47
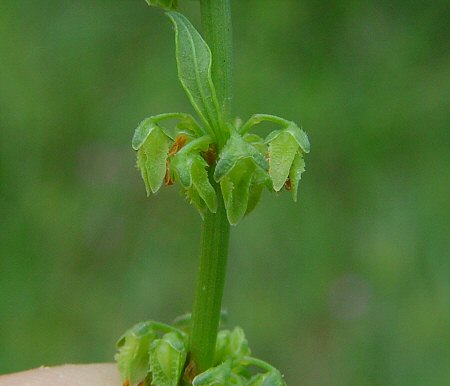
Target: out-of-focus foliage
x: 350, y: 286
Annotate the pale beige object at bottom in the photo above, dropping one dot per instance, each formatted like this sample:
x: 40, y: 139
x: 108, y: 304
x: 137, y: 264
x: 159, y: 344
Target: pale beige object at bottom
x: 102, y: 374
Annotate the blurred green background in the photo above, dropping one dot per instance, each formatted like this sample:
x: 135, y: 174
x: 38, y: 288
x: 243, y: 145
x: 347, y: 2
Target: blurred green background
x: 351, y: 286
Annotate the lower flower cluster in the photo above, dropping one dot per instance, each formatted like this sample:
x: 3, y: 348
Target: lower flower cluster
x: 157, y: 354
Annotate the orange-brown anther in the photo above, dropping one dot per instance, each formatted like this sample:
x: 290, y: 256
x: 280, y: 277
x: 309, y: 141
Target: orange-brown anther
x: 168, y: 181
x: 179, y: 142
x: 288, y: 184
x: 210, y: 156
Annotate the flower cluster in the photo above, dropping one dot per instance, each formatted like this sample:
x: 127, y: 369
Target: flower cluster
x: 213, y: 154
x: 153, y: 353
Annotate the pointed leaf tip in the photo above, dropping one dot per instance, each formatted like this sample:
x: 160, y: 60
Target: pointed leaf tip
x: 194, y: 71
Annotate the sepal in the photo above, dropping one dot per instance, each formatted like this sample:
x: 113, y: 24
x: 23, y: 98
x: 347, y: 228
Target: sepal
x: 231, y: 345
x: 286, y: 149
x: 152, y: 146
x: 295, y: 174
x: 272, y: 378
x: 166, y: 358
x: 190, y: 169
x: 235, y: 150
x: 239, y: 172
x: 215, y: 376
x: 132, y: 357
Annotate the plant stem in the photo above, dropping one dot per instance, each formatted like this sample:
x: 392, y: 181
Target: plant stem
x: 217, y: 31
x: 216, y: 22
x: 210, y: 283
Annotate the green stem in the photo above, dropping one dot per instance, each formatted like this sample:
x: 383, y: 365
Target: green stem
x: 217, y: 31
x: 216, y: 22
x: 210, y: 283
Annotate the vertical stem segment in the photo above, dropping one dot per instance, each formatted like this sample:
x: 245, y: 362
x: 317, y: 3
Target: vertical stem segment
x: 210, y: 283
x: 216, y: 22
x: 217, y: 31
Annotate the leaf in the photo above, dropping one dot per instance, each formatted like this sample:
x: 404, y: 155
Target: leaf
x: 194, y: 71
x: 167, y: 357
x: 219, y: 376
x: 295, y: 174
x: 166, y: 4
x: 152, y: 145
x: 132, y: 358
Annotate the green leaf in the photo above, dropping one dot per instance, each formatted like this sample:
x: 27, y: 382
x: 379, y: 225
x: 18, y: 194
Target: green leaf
x: 132, y: 358
x: 166, y: 4
x: 219, y: 376
x: 194, y: 71
x: 295, y: 174
x: 152, y: 146
x: 167, y: 358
